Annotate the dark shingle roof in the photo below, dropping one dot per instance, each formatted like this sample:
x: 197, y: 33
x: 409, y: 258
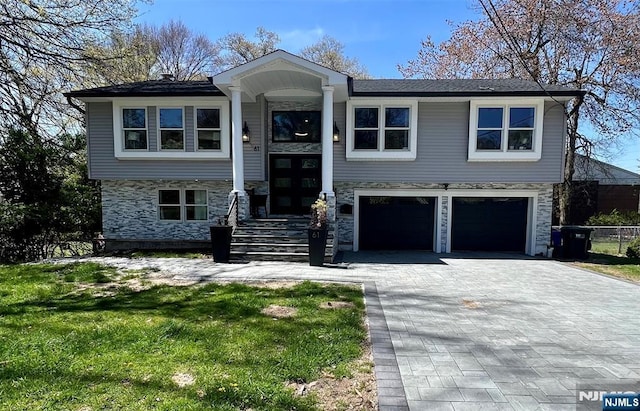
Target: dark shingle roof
x: 371, y: 88
x: 457, y: 87
x: 151, y: 88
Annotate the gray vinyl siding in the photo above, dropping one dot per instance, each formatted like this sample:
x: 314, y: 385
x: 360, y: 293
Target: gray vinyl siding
x: 339, y: 148
x: 441, y: 152
x: 252, y: 151
x: 189, y: 130
x: 152, y: 129
x: 443, y: 133
x: 104, y: 165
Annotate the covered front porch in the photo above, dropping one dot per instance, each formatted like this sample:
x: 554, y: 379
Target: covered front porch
x: 283, y: 132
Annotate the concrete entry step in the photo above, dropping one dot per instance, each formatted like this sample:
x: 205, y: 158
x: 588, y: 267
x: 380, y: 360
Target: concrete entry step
x: 275, y: 239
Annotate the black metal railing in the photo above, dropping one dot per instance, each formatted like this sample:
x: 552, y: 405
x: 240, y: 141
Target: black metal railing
x: 232, y: 214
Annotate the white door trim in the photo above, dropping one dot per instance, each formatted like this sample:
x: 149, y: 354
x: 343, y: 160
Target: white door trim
x: 440, y: 194
x: 387, y: 192
x: 532, y: 214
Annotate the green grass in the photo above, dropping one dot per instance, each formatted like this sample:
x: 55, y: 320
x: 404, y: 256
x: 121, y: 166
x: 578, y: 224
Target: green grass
x: 608, y: 247
x: 604, y: 258
x: 168, y: 254
x: 67, y: 347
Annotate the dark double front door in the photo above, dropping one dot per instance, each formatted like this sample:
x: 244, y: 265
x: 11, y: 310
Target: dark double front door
x: 295, y: 180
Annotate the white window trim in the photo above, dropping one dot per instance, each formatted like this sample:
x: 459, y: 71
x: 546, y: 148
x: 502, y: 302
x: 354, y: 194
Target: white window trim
x: 505, y: 154
x: 122, y: 129
x: 183, y: 205
x: 195, y: 130
x: 134, y: 102
x: 159, y: 129
x: 381, y: 154
x: 159, y: 204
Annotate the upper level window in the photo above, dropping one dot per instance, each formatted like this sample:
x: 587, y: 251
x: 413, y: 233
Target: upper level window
x: 171, y: 128
x: 366, y: 128
x: 171, y: 125
x: 208, y: 129
x: 396, y: 128
x: 297, y: 126
x: 505, y: 131
x: 134, y: 128
x: 382, y: 131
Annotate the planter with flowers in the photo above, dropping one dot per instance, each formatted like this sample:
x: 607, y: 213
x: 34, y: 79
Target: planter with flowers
x: 318, y: 233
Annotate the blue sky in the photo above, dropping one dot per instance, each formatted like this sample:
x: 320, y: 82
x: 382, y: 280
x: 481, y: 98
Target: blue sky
x: 380, y: 33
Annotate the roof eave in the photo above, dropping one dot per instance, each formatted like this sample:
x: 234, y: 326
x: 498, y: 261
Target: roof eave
x: 81, y: 95
x: 568, y: 93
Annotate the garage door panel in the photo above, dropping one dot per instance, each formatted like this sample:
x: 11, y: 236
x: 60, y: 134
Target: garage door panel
x: 489, y: 224
x: 396, y: 223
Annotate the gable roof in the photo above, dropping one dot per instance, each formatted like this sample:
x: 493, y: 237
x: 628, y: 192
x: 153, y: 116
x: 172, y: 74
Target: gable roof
x: 588, y: 168
x: 279, y: 72
x: 458, y: 87
x: 151, y: 88
x: 276, y: 56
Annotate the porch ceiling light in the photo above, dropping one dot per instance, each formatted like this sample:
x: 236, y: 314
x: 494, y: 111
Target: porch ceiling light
x: 336, y: 132
x: 245, y: 133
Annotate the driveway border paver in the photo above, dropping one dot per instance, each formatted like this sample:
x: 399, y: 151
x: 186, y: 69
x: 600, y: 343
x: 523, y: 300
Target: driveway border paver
x: 391, y: 392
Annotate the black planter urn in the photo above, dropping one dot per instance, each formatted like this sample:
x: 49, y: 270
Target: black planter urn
x: 317, y: 246
x: 221, y: 242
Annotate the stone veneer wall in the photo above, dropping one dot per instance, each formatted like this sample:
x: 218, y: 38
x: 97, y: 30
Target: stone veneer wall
x: 345, y: 194
x: 130, y: 209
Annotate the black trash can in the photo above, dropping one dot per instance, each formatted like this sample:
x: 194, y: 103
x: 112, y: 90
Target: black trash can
x: 221, y: 242
x: 575, y: 242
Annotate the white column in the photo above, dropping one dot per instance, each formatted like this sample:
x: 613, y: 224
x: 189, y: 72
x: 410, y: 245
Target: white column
x: 327, y: 141
x: 236, y: 139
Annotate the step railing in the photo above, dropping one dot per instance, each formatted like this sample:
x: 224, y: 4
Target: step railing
x: 231, y: 218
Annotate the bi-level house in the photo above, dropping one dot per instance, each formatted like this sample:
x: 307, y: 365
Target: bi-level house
x: 438, y: 165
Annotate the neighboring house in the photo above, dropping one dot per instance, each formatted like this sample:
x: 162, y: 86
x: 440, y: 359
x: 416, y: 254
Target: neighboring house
x: 602, y: 188
x: 440, y: 165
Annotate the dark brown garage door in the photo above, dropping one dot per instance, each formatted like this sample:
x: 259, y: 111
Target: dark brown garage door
x: 489, y: 224
x: 396, y: 223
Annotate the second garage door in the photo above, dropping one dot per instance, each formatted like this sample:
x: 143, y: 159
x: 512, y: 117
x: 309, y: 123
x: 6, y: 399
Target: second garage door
x: 396, y: 223
x: 489, y: 224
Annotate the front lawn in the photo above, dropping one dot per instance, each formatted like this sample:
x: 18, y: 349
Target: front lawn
x: 604, y: 258
x: 85, y: 337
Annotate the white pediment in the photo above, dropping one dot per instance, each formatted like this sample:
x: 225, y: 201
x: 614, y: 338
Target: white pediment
x: 281, y: 74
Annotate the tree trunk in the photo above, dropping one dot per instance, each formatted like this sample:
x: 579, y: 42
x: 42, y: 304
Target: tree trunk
x: 569, y: 163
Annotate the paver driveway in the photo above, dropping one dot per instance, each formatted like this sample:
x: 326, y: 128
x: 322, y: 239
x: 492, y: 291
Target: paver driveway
x: 508, y: 334
x: 471, y: 332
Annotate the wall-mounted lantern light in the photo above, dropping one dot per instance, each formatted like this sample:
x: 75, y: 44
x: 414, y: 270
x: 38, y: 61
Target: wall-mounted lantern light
x: 336, y: 132
x: 246, y: 134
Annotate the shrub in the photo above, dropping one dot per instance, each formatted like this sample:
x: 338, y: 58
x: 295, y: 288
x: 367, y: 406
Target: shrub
x: 45, y: 195
x: 633, y: 250
x: 615, y: 218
